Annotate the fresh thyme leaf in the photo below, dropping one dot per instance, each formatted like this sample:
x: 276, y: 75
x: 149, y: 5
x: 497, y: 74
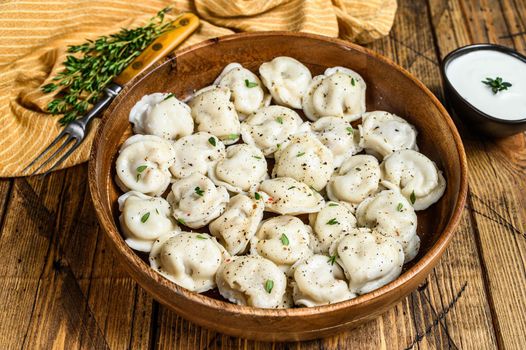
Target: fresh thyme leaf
x: 170, y: 95
x: 140, y: 169
x: 496, y: 84
x: 157, y: 211
x: 201, y: 237
x: 257, y: 157
x: 257, y: 196
x: 300, y: 154
x: 269, y: 284
x: 352, y: 82
x: 233, y: 136
x: 333, y: 205
x: 279, y: 120
x: 399, y: 207
x: 199, y: 191
x: 181, y: 221
x: 145, y: 217
x: 91, y: 66
x: 212, y: 141
x: 284, y: 239
x: 349, y: 129
x: 412, y: 197
x: 332, y: 221
x: 291, y: 187
x: 250, y: 84
x: 332, y: 259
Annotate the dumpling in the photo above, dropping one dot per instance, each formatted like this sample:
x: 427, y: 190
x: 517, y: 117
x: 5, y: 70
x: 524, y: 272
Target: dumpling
x: 287, y: 80
x: 143, y: 219
x: 238, y: 224
x: 339, y: 92
x: 383, y: 133
x: 162, y: 115
x: 284, y: 240
x: 242, y: 169
x: 196, y: 201
x: 305, y: 159
x: 196, y: 154
x: 333, y: 221
x: 284, y: 195
x: 270, y: 127
x: 246, y: 88
x: 253, y: 281
x: 214, y: 113
x: 189, y: 259
x: 339, y: 136
x: 415, y: 176
x: 356, y: 179
x: 142, y: 164
x: 319, y: 281
x: 391, y: 214
x: 370, y: 260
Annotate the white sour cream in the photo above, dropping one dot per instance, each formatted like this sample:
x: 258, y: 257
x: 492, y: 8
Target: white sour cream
x: 467, y: 72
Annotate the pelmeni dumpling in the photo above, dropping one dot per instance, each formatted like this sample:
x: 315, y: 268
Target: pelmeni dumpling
x: 143, y: 219
x: 370, y: 260
x: 242, y: 169
x: 305, y: 159
x: 189, y: 259
x: 415, y: 176
x: 142, y: 164
x: 270, y: 127
x: 287, y: 80
x: 162, y: 115
x: 391, y: 214
x: 196, y: 154
x: 246, y: 88
x: 253, y: 281
x: 214, y: 113
x: 283, y: 240
x: 339, y: 92
x: 238, y: 224
x: 339, y: 136
x: 331, y: 222
x: 284, y: 195
x: 356, y: 179
x: 319, y: 281
x: 196, y: 201
x: 383, y: 133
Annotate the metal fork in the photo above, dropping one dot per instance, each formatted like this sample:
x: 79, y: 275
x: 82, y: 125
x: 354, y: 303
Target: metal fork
x: 75, y: 132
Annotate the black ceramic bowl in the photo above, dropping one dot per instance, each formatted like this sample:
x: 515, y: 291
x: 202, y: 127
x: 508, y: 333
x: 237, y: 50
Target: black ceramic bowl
x: 470, y: 115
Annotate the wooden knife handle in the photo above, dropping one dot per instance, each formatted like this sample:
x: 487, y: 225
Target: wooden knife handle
x: 184, y: 25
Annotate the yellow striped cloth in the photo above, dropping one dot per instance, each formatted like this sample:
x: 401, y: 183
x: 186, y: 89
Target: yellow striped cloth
x: 34, y: 36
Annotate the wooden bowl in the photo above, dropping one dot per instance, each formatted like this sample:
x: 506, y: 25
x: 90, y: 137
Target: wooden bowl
x: 389, y: 87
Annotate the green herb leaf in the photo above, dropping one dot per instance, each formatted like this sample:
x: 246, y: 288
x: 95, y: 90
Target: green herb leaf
x: 358, y: 169
x: 201, y: 237
x: 181, y: 221
x: 279, y: 120
x: 157, y: 211
x: 300, y: 154
x: 350, y: 129
x: 257, y: 157
x: 333, y: 205
x: 145, y: 217
x: 412, y: 197
x: 332, y: 221
x: 352, y: 82
x: 399, y: 207
x: 269, y: 284
x: 233, y: 136
x: 250, y: 84
x: 496, y: 84
x: 257, y: 196
x: 284, y: 239
x: 291, y: 187
x: 140, y: 169
x: 199, y: 191
x: 212, y: 141
x: 332, y: 259
x: 170, y: 95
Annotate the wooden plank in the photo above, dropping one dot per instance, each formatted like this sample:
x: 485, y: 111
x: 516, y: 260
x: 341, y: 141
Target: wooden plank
x: 497, y: 182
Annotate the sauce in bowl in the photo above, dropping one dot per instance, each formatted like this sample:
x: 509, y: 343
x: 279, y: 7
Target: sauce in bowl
x: 467, y: 72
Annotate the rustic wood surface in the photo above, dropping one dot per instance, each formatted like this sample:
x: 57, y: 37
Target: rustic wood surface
x: 60, y: 287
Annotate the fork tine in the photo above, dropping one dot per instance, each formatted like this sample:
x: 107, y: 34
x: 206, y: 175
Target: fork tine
x: 66, y: 142
x: 62, y: 133
x: 67, y: 154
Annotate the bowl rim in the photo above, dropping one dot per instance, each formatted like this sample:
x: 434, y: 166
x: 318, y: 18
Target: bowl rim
x: 134, y: 262
x: 479, y: 47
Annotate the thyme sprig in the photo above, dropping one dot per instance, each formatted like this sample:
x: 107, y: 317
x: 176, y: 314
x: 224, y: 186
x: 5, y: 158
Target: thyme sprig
x: 91, y: 66
x: 497, y: 84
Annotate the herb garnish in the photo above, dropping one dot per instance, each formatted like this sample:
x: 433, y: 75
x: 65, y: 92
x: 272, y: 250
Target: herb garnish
x: 399, y: 207
x: 91, y: 66
x: 333, y: 205
x: 257, y: 157
x: 269, y: 284
x: 352, y: 82
x: 145, y: 217
x: 496, y: 84
x: 140, y: 169
x: 332, y: 259
x: 233, y: 136
x: 279, y: 120
x: 170, y: 95
x: 332, y: 221
x: 284, y: 239
x: 201, y: 237
x: 250, y: 84
x: 300, y: 154
x: 257, y: 196
x: 212, y: 141
x: 181, y: 221
x: 349, y: 129
x: 291, y: 187
x: 199, y: 191
x: 412, y: 197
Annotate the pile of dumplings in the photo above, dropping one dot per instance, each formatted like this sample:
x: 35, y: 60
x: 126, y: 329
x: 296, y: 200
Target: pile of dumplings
x: 232, y: 189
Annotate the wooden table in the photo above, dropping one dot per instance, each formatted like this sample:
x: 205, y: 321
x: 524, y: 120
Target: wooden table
x: 61, y: 287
